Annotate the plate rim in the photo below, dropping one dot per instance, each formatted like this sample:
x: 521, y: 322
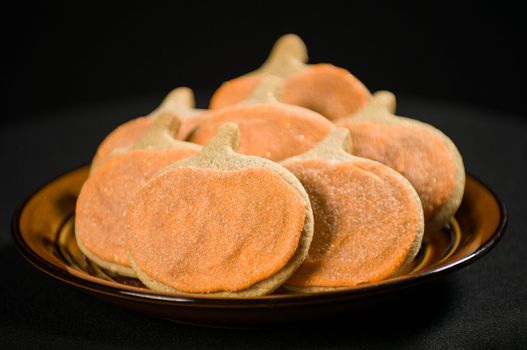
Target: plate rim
x: 262, y: 301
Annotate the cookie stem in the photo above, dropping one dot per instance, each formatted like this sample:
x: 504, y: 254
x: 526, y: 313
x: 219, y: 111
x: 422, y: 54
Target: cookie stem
x: 385, y: 100
x: 288, y: 56
x: 335, y: 147
x: 380, y: 108
x: 289, y: 46
x: 224, y: 142
x: 268, y: 91
x: 179, y: 100
x: 338, y: 140
x: 161, y: 134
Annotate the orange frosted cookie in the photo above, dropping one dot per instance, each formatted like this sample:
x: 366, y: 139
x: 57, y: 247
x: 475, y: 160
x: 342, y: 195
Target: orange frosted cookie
x: 420, y: 152
x: 368, y: 218
x: 329, y: 90
x: 100, y: 228
x: 179, y: 102
x: 269, y: 129
x: 219, y: 223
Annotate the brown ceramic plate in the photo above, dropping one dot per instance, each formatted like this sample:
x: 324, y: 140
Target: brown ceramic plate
x: 43, y: 233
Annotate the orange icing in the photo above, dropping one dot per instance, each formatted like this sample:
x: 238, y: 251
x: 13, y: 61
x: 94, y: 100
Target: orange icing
x: 418, y: 154
x: 331, y: 91
x: 124, y: 135
x: 99, y: 221
x: 366, y: 221
x: 271, y: 131
x: 204, y: 230
x: 234, y: 91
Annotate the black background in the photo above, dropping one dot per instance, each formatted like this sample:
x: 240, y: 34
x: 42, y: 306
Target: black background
x: 68, y: 54
x: 73, y: 72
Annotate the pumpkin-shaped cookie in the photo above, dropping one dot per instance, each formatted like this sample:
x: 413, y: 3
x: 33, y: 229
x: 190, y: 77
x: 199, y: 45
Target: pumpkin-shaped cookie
x: 100, y: 227
x: 268, y: 128
x: 420, y: 152
x: 219, y: 223
x: 329, y: 90
x: 179, y: 102
x: 368, y: 218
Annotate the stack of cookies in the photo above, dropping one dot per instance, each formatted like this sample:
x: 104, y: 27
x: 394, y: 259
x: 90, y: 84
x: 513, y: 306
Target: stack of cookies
x: 296, y: 177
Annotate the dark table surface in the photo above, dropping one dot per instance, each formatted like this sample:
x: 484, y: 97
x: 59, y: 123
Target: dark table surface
x: 481, y: 306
